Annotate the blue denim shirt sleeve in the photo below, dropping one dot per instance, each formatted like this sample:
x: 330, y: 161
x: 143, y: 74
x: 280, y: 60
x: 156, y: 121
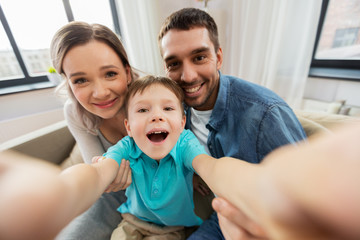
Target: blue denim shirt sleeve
x: 278, y: 127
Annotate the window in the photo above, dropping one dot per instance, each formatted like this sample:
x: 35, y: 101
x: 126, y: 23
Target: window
x: 25, y: 41
x: 10, y: 67
x: 346, y: 37
x: 91, y: 14
x: 337, y: 47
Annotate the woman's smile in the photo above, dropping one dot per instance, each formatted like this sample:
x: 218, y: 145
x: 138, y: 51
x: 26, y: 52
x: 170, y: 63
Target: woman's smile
x: 106, y: 104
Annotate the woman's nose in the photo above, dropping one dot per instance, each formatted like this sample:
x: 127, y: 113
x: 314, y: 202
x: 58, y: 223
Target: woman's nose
x: 100, y: 90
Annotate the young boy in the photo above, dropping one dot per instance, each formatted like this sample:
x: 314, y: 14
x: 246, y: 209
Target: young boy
x: 160, y: 151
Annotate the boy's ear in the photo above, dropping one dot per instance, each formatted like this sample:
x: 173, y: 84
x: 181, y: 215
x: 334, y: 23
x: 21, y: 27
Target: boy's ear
x: 127, y: 126
x: 183, y: 121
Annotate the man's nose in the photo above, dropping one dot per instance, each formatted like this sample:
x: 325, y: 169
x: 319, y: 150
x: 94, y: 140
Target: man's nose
x: 189, y: 73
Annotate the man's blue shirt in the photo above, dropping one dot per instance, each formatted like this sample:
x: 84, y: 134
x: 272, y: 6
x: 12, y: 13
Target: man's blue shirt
x: 162, y: 192
x: 248, y: 121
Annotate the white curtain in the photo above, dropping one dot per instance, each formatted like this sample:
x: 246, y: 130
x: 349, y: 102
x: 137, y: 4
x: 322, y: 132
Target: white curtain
x: 140, y: 25
x: 271, y: 42
x: 268, y: 42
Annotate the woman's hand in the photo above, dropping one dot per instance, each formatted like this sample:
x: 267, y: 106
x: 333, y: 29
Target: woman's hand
x: 123, y: 178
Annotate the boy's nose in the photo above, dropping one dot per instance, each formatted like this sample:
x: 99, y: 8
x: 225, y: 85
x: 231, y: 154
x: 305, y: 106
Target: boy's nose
x: 157, y: 118
x: 157, y: 115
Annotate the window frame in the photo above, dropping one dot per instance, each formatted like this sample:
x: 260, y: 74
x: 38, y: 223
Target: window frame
x: 28, y: 83
x: 27, y: 79
x: 334, y: 68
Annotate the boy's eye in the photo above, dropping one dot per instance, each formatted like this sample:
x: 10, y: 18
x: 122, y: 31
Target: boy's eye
x: 141, y: 110
x: 79, y: 81
x: 168, y: 108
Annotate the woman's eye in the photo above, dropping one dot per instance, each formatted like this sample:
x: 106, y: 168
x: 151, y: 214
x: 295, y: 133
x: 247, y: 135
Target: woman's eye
x: 79, y: 81
x: 111, y: 74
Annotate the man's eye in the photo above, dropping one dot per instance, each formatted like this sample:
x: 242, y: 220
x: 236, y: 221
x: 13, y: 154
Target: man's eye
x: 173, y: 65
x: 79, y: 81
x: 199, y: 58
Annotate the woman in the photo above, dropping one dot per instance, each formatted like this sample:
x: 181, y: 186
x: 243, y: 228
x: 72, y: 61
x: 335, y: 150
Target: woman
x: 95, y: 66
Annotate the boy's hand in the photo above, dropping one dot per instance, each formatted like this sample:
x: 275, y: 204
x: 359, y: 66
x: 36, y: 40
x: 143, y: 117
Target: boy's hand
x: 123, y: 178
x: 200, y: 186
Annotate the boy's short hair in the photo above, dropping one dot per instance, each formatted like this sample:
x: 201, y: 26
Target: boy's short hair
x: 188, y: 18
x: 141, y: 84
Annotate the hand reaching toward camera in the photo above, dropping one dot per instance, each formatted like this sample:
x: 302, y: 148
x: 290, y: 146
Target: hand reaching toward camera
x: 234, y: 224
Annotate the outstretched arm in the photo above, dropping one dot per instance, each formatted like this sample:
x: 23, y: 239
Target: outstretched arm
x: 232, y: 179
x: 320, y: 183
x: 311, y: 190
x: 37, y: 199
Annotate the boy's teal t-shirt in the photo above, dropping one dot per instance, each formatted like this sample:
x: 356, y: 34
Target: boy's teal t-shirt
x: 160, y: 193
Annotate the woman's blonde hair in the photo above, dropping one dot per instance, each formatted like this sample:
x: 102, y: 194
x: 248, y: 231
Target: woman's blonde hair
x: 79, y: 33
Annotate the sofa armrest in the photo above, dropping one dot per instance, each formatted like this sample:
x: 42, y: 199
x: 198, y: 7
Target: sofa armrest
x: 53, y: 143
x: 321, y: 122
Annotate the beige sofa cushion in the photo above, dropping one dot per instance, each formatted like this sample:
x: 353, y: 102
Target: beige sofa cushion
x: 311, y: 127
x: 52, y: 143
x: 74, y: 158
x: 324, y: 119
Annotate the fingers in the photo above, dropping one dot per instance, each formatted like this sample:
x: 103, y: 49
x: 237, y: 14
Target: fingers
x: 129, y: 179
x: 199, y: 189
x: 96, y: 159
x: 203, y: 190
x: 231, y: 231
x: 235, y: 224
x: 200, y: 186
x: 123, y: 178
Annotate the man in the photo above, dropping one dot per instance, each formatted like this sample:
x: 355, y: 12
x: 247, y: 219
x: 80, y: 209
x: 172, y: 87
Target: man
x: 230, y: 116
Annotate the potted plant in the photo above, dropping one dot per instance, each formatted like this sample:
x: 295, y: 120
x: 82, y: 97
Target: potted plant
x: 53, y: 76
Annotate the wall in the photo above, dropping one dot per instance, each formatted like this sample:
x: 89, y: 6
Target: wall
x: 24, y: 112
x: 330, y: 90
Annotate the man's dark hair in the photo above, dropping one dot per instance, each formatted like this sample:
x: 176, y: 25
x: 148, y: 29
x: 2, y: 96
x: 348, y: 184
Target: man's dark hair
x: 188, y: 18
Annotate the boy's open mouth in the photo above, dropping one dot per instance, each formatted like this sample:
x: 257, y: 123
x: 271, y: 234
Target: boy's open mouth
x: 157, y: 136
